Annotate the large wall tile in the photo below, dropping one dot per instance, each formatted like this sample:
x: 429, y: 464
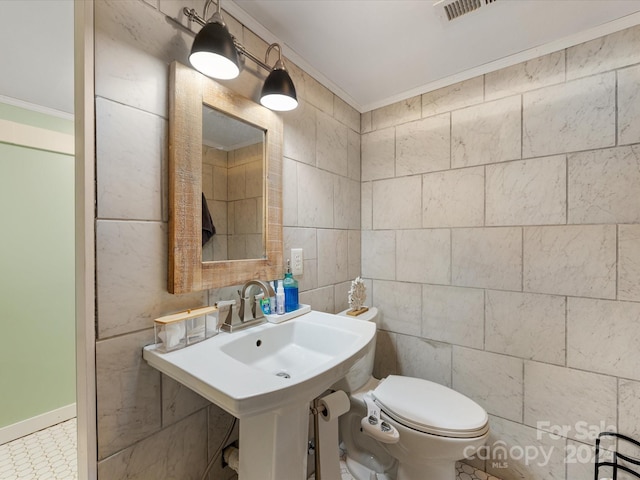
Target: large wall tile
x: 453, y: 315
x: 353, y: 155
x: 571, y: 260
x: 603, y: 336
x: 345, y: 113
x: 385, y: 361
x: 487, y: 258
x: 299, y: 139
x: 366, y: 205
x: 454, y: 198
x: 529, y: 192
x: 601, y: 183
x: 178, y: 401
x: 128, y: 392
x: 304, y: 238
x: 333, y: 261
x: 365, y: 122
x: 422, y: 358
x: 132, y: 277
x: 526, y: 325
x: 571, y: 399
x: 378, y: 154
x: 320, y: 299
x: 629, y: 105
x: 493, y: 381
x: 131, y: 153
x: 315, y: 197
x: 629, y: 408
x: 173, y: 9
x: 606, y: 53
x: 580, y: 457
x: 396, y: 113
x: 486, y: 133
x: 289, y: 192
x: 354, y: 246
x: 396, y: 203
x: 176, y: 452
x: 341, y: 296
x: 453, y: 97
x: 578, y: 115
x: 309, y: 279
x: 379, y: 254
x: 530, y: 453
x: 423, y: 256
x: 134, y: 45
x: 317, y: 94
x: 399, y: 306
x: 629, y: 262
x: 423, y: 146
x: 331, y: 144
x: 525, y: 76
x: 346, y: 203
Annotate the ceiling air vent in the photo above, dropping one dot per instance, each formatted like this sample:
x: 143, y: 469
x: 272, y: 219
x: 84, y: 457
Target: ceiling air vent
x: 452, y: 9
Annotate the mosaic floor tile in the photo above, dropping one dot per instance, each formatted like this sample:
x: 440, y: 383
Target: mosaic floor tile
x: 49, y: 454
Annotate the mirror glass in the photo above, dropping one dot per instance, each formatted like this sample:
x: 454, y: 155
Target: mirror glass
x: 225, y: 172
x: 232, y: 187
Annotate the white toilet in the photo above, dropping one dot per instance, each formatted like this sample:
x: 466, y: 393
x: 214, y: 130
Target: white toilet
x: 430, y: 425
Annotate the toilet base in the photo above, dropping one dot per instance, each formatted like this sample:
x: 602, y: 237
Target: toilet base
x: 361, y: 472
x: 433, y: 471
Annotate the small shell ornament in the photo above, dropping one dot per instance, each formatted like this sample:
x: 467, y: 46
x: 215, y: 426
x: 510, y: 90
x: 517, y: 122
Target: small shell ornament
x: 357, y: 294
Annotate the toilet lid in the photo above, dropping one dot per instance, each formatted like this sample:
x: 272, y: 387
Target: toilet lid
x: 430, y: 408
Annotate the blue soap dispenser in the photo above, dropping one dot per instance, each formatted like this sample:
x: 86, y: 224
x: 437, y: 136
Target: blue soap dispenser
x: 290, y: 290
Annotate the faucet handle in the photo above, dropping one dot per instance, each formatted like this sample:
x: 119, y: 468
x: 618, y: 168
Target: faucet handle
x: 224, y: 304
x: 225, y: 310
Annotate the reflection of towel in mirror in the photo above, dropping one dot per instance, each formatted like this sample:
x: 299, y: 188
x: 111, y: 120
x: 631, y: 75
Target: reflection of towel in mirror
x: 208, y: 228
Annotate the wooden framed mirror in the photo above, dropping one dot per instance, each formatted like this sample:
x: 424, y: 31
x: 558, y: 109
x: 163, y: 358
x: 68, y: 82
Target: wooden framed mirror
x: 252, y: 216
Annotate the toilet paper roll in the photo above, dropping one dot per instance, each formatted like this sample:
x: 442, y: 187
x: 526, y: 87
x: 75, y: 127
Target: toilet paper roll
x: 335, y: 404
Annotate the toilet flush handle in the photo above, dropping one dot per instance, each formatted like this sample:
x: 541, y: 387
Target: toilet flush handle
x: 374, y: 426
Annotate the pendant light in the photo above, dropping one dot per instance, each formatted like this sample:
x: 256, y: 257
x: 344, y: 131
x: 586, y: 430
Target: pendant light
x: 278, y: 91
x: 213, y: 51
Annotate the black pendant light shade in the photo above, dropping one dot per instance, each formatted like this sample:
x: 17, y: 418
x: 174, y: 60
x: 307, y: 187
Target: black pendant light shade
x: 278, y: 91
x: 217, y: 54
x: 213, y: 52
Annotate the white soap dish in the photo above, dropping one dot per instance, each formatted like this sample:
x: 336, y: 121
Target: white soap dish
x: 302, y: 309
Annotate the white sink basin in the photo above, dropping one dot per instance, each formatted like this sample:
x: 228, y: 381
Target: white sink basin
x: 269, y: 367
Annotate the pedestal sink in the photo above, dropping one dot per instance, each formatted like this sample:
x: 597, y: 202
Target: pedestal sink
x: 266, y: 376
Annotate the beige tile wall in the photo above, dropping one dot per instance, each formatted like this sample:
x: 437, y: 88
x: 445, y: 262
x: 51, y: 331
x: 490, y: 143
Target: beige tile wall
x: 501, y: 241
x: 515, y: 191
x: 148, y: 425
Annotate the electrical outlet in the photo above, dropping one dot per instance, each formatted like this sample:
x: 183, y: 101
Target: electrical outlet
x: 297, y: 261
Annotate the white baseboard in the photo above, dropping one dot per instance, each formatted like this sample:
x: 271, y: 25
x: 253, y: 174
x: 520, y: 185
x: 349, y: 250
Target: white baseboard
x: 33, y: 424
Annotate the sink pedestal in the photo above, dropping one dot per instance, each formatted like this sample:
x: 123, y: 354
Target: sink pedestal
x: 273, y: 445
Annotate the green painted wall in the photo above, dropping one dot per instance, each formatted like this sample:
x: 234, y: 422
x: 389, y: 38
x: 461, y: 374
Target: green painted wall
x: 37, y: 286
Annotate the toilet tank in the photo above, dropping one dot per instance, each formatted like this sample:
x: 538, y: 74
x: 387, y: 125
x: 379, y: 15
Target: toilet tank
x: 361, y: 372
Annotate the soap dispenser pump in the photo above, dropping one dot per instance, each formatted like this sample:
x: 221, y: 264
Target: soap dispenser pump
x: 290, y: 290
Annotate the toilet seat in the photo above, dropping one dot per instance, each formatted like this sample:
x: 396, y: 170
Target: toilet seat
x: 430, y: 408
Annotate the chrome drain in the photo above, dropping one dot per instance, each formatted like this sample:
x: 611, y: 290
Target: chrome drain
x: 283, y: 375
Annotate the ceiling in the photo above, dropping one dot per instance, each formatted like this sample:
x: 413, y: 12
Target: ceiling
x: 375, y: 52
x: 37, y: 54
x: 371, y: 53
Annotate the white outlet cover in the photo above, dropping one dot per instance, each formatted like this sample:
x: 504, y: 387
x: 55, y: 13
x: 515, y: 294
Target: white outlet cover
x: 297, y: 261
